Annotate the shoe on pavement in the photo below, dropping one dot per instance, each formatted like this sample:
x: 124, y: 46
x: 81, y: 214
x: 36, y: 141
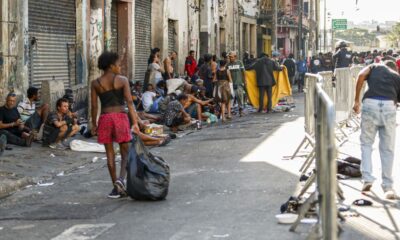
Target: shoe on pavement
x: 120, y: 186
x: 390, y: 195
x: 114, y: 194
x: 57, y: 146
x: 3, y: 143
x: 366, y: 187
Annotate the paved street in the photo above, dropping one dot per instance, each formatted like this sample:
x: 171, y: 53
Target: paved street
x: 228, y: 182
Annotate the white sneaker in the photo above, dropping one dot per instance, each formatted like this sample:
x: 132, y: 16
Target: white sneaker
x: 390, y: 195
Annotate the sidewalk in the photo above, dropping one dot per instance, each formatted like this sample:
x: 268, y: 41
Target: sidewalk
x: 23, y: 166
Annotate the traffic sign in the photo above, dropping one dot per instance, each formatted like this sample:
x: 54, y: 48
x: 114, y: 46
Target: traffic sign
x: 339, y: 24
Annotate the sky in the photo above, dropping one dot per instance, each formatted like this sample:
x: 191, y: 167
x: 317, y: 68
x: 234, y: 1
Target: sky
x: 379, y: 10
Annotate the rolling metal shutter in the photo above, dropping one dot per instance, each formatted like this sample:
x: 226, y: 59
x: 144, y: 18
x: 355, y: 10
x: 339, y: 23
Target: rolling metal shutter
x: 52, y: 35
x: 114, y: 27
x: 171, y: 36
x: 143, y: 37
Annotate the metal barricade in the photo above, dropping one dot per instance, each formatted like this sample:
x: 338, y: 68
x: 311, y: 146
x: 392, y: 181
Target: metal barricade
x: 344, y: 89
x: 310, y: 82
x: 327, y: 84
x: 325, y: 148
x: 325, y: 173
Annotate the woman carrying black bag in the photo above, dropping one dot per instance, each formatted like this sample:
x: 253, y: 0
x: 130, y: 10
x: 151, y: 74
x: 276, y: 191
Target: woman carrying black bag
x: 113, y: 124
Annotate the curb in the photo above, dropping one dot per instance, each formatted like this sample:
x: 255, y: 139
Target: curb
x: 11, y: 187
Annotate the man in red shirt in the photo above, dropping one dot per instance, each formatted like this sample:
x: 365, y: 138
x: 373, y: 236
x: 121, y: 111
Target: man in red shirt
x: 190, y: 64
x: 398, y: 64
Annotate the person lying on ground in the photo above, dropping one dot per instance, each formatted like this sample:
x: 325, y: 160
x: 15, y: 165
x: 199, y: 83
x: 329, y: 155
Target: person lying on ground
x: 59, y: 126
x: 33, y: 116
x: 11, y: 124
x: 175, y: 114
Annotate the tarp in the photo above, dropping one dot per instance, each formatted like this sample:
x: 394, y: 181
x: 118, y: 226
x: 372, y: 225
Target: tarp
x: 280, y: 90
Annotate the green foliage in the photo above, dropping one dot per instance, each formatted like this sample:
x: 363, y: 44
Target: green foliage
x: 360, y: 37
x: 394, y: 36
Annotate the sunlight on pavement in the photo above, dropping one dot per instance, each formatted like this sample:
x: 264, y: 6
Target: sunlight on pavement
x: 281, y: 143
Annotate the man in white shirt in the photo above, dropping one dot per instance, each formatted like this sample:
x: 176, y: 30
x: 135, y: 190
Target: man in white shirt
x: 32, y: 116
x: 150, y: 100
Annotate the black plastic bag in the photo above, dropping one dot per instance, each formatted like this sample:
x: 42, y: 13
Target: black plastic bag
x: 148, y: 175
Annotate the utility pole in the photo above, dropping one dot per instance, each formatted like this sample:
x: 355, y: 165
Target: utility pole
x: 107, y: 24
x: 325, y: 40
x: 274, y: 25
x: 300, y: 30
x: 317, y: 20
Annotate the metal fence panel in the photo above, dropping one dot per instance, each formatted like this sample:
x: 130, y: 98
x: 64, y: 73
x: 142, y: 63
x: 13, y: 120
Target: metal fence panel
x: 310, y: 81
x: 326, y: 164
x: 344, y: 89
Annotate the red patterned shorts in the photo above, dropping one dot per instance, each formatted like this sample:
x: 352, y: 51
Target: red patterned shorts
x: 113, y: 127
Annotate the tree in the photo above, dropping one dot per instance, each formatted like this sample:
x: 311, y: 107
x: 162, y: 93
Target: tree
x: 394, y: 36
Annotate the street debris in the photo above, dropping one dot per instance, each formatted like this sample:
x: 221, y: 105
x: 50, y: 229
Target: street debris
x: 221, y: 236
x: 40, y: 184
x: 60, y: 174
x: 52, y: 155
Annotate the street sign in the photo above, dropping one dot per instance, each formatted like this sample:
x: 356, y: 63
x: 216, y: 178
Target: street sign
x: 339, y: 24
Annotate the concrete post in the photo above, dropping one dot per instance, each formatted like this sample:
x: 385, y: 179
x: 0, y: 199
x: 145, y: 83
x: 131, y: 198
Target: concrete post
x: 107, y: 24
x: 274, y: 40
x: 96, y: 43
x: 13, y: 68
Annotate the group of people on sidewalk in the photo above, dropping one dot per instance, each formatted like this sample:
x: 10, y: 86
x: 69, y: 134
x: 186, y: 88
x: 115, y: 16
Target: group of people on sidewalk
x: 207, y: 94
x: 22, y: 123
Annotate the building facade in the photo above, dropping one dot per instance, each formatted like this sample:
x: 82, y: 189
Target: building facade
x: 45, y: 41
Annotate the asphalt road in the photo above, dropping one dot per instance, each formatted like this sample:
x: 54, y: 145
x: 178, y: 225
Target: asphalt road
x: 224, y: 185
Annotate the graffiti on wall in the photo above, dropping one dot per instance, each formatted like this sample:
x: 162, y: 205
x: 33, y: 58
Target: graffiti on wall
x: 96, y: 29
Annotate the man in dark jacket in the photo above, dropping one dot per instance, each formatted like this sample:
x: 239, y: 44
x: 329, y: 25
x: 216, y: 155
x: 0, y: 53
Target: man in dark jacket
x: 291, y: 68
x: 342, y: 58
x: 265, y: 68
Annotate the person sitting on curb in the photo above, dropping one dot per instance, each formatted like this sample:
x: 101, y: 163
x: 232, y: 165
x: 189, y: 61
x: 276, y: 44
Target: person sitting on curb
x: 194, y: 105
x: 150, y: 100
x: 175, y: 114
x: 59, y: 127
x: 11, y: 124
x: 34, y: 117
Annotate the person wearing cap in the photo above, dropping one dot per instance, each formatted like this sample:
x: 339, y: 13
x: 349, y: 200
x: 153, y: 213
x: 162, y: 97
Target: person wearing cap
x: 342, y: 58
x: 237, y: 71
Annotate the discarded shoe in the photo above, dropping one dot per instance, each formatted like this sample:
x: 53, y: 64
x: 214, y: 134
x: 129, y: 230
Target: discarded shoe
x: 362, y: 202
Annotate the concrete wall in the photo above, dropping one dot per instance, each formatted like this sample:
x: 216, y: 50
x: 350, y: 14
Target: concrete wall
x: 13, y: 65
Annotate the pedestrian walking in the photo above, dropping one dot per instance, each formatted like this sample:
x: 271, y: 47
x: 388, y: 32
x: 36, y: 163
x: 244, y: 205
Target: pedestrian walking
x: 342, y: 58
x: 113, y: 124
x: 206, y: 74
x: 290, y: 64
x: 237, y: 70
x: 378, y: 115
x: 302, y: 70
x: 222, y: 90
